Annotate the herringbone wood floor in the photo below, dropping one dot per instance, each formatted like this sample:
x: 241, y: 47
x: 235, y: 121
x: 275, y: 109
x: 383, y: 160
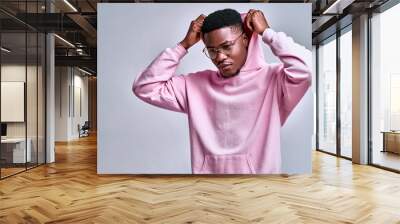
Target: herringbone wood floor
x: 70, y: 191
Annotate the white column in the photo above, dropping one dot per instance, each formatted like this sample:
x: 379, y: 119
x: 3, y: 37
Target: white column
x: 50, y: 110
x: 360, y: 90
x: 50, y: 91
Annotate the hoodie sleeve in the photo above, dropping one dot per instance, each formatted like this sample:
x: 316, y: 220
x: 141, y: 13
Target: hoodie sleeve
x: 294, y: 74
x: 158, y: 85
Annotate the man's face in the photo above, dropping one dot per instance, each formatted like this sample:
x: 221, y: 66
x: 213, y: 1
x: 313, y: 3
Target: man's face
x: 229, y: 45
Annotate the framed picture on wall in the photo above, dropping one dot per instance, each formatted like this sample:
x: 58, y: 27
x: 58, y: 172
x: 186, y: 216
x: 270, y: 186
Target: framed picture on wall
x: 12, y: 101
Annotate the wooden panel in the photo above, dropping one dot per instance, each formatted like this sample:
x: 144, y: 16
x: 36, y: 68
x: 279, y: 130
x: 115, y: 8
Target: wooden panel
x: 392, y: 142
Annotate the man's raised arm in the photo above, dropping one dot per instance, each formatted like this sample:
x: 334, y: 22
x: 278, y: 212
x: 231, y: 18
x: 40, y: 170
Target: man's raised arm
x: 294, y: 75
x: 157, y: 84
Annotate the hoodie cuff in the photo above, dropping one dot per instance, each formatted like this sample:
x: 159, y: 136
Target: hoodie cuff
x: 267, y: 35
x: 180, y: 50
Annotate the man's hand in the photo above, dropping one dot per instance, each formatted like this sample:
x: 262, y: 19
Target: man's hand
x: 255, y: 21
x: 194, y: 33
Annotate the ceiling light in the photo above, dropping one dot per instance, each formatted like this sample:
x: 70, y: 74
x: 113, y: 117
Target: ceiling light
x: 331, y: 7
x: 337, y: 7
x: 84, y: 71
x: 70, y: 5
x: 5, y: 49
x: 64, y: 40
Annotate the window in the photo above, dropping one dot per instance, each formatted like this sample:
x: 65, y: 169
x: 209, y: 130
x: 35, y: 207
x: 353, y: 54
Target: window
x: 385, y: 89
x: 327, y: 95
x: 346, y: 92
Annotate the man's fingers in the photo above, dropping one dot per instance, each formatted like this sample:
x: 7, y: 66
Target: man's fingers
x: 198, y: 23
x: 201, y: 18
x: 197, y: 26
x: 257, y: 13
x: 251, y: 11
x: 250, y: 16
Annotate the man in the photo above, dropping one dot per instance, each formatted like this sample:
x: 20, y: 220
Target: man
x: 235, y: 113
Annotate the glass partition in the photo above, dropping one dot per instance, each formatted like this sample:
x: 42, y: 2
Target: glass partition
x: 327, y: 95
x: 32, y: 95
x: 13, y: 108
x: 22, y: 88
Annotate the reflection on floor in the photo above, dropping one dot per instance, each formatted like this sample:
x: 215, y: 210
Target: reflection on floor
x: 10, y: 169
x: 386, y: 159
x: 346, y: 152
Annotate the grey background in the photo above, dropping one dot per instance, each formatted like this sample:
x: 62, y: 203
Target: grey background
x: 138, y: 138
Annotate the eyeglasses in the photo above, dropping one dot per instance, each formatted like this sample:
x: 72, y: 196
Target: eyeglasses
x: 225, y: 49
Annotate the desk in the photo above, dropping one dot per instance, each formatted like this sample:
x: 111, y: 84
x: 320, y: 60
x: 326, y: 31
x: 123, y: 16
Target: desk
x: 391, y: 141
x: 15, y: 148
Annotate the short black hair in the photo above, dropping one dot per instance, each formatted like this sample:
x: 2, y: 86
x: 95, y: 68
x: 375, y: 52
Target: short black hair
x: 222, y: 18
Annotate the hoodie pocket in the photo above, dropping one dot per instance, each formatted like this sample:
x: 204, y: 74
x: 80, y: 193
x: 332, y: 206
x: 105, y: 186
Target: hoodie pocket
x: 227, y: 164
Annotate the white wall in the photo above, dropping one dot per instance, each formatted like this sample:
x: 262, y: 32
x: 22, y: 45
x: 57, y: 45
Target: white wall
x: 134, y: 137
x: 61, y: 103
x: 80, y: 83
x: 16, y: 72
x: 67, y: 81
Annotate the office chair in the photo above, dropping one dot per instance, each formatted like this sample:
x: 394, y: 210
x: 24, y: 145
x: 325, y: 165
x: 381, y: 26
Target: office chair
x: 84, y: 130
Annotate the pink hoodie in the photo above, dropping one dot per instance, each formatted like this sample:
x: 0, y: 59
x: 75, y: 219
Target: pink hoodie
x: 234, y: 122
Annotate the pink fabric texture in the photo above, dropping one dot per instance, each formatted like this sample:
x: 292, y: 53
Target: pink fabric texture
x: 235, y: 122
